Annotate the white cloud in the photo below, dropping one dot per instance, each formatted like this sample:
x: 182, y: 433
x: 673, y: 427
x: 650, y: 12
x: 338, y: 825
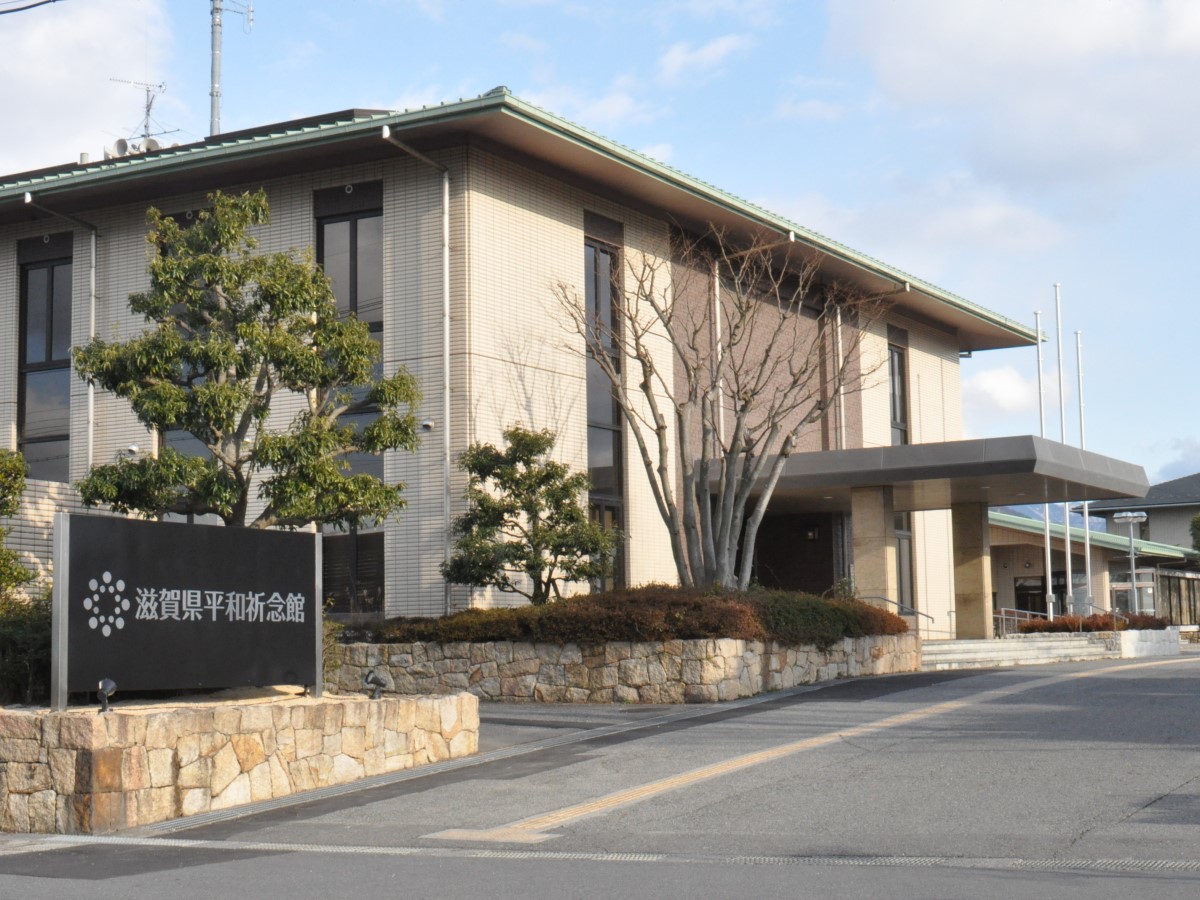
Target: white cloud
x: 1002, y: 390
x: 683, y: 62
x: 57, y: 100
x: 661, y: 152
x: 1003, y: 400
x: 1185, y: 460
x: 620, y: 104
x: 929, y: 226
x: 1057, y: 92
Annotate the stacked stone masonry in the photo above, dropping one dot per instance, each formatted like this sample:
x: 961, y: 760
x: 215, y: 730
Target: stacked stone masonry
x: 694, y: 671
x: 77, y: 772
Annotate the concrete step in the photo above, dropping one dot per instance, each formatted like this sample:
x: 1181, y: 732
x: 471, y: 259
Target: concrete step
x: 1016, y: 651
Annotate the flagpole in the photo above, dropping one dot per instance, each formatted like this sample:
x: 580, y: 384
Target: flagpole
x: 1049, y: 592
x: 1087, y: 529
x: 1068, y: 588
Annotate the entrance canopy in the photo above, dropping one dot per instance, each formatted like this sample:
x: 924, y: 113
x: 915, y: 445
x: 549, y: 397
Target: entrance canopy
x: 1005, y: 471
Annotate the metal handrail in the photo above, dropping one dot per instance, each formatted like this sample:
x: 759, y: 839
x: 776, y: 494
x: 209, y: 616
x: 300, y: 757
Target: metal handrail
x: 1005, y: 614
x: 909, y: 610
x: 1109, y: 612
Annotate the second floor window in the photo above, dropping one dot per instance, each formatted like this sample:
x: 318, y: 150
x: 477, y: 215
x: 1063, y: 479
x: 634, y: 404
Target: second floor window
x: 44, y: 377
x: 350, y: 250
x: 898, y: 389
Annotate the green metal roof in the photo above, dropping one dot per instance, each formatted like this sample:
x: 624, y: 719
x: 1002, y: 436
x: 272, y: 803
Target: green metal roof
x: 354, y: 126
x: 1098, y: 538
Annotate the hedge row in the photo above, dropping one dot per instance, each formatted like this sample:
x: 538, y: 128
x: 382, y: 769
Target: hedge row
x: 24, y: 649
x: 652, y: 613
x: 1097, y: 622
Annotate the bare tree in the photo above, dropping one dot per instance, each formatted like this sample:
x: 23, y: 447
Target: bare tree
x: 719, y: 359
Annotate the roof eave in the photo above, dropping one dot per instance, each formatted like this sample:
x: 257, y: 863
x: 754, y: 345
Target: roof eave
x: 976, y: 327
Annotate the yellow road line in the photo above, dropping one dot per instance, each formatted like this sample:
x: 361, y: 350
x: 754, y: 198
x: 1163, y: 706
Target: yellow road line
x: 527, y: 831
x: 531, y: 830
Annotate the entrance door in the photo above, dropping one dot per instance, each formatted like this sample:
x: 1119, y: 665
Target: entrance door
x: 1030, y: 593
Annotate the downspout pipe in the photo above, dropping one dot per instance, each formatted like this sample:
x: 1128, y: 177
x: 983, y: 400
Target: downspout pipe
x: 93, y: 232
x: 387, y: 135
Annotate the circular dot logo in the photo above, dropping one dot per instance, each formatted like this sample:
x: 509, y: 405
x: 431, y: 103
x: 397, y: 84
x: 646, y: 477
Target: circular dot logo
x: 106, y: 604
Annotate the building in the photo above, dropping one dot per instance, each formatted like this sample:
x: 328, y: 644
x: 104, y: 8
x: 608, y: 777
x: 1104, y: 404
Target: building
x: 1170, y: 507
x: 1168, y: 582
x: 447, y: 228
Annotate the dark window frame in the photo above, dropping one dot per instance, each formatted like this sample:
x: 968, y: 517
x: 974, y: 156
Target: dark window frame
x: 602, y: 294
x: 358, y: 598
x: 363, y: 407
x: 353, y: 219
x: 352, y: 595
x: 898, y: 402
x: 902, y: 527
x: 48, y: 363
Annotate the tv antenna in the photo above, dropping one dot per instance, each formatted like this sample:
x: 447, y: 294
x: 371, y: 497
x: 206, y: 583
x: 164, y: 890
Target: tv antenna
x: 218, y: 6
x: 152, y: 92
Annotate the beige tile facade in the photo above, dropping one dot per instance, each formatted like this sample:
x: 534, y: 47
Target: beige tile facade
x: 515, y: 233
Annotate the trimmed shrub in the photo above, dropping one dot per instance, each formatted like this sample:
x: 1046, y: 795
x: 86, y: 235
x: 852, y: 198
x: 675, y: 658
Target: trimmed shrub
x: 1096, y: 622
x: 654, y: 613
x: 24, y: 649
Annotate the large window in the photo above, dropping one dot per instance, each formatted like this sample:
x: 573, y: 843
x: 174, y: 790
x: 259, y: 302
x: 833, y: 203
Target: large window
x: 350, y: 250
x: 44, y: 368
x: 606, y: 499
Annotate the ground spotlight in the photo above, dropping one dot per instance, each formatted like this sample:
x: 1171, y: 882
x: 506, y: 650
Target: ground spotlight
x: 106, y: 688
x: 375, y: 684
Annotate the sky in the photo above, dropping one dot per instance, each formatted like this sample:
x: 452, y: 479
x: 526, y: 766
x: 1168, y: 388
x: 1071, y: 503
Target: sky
x: 992, y: 147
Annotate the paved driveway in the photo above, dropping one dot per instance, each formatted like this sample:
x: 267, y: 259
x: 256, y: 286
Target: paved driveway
x: 1078, y: 780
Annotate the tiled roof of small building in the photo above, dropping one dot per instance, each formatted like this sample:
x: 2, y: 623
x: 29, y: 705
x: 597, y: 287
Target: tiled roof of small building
x: 1183, y: 491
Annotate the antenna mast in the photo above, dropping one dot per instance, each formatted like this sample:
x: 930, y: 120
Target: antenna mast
x: 152, y: 91
x: 218, y: 6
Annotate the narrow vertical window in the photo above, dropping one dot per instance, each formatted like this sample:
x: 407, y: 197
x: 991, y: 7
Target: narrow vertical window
x: 606, y: 500
x: 904, y: 559
x: 898, y: 389
x: 44, y: 364
x: 350, y: 251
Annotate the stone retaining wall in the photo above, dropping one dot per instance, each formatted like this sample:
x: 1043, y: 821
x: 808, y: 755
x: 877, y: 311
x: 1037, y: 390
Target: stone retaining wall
x: 77, y: 772
x: 696, y: 671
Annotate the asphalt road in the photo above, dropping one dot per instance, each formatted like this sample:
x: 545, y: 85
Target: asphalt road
x: 1077, y: 780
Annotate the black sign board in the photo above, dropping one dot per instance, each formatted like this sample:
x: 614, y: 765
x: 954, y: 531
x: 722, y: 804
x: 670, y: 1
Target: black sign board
x: 165, y: 606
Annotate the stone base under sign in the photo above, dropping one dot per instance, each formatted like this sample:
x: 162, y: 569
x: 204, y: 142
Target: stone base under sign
x: 77, y: 772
